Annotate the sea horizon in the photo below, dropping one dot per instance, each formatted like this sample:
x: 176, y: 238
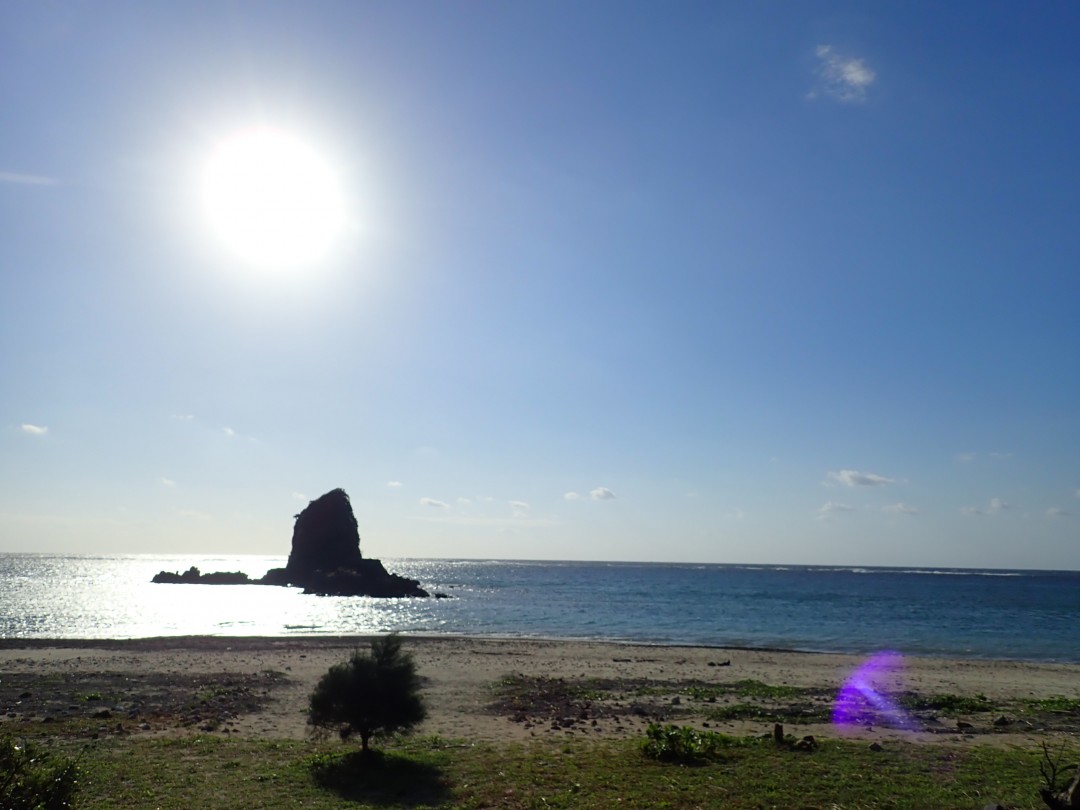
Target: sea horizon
x: 1020, y: 614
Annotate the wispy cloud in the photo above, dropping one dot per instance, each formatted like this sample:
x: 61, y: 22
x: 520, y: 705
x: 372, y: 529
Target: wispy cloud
x: 168, y: 482
x: 19, y: 179
x: 996, y: 506
x: 573, y: 496
x: 900, y: 509
x: 841, y: 77
x: 228, y: 431
x: 193, y: 514
x: 830, y: 508
x: 434, y: 503
x: 299, y: 496
x: 394, y: 484
x: 601, y: 494
x: 855, y: 478
x: 1057, y: 511
x: 34, y: 430
x: 182, y: 417
x: 968, y: 457
x: 482, y: 521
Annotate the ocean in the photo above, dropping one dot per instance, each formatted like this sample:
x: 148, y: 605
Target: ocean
x: 965, y: 613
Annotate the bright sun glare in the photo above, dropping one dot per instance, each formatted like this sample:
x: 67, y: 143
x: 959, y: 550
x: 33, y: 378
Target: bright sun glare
x: 272, y: 199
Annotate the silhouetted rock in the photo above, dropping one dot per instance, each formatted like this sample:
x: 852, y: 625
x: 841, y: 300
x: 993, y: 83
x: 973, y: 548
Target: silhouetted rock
x: 325, y: 537
x: 325, y: 558
x: 195, y: 577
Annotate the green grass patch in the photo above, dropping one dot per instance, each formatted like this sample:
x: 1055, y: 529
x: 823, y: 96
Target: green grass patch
x: 1060, y: 705
x: 206, y: 771
x: 947, y: 704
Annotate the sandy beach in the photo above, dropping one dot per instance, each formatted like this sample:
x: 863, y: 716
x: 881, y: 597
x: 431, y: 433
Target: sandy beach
x: 486, y: 689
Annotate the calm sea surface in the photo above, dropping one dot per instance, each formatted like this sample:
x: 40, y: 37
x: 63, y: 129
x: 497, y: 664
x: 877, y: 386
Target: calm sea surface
x: 1031, y: 615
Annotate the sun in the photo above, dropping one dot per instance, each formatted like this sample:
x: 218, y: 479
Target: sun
x: 272, y: 199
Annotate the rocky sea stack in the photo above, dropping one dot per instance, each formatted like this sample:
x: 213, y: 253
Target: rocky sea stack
x: 325, y: 558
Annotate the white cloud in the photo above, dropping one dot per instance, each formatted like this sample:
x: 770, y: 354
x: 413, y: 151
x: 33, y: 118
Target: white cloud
x: 602, y: 494
x: 967, y: 458
x: 573, y: 496
x: 996, y: 505
x: 433, y: 502
x: 34, y: 430
x: 464, y: 501
x: 901, y: 509
x: 393, y: 484
x: 193, y: 514
x: 831, y: 508
x: 299, y: 496
x: 519, y: 504
x: 183, y: 417
x: 843, y: 78
x: 488, y: 522
x: 168, y: 482
x: 228, y: 431
x: 19, y: 179
x: 1056, y: 511
x: 854, y: 478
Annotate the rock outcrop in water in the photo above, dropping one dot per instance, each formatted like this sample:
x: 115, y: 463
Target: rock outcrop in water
x: 325, y: 558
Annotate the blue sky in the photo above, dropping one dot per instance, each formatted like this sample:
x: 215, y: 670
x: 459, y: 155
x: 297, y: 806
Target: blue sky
x: 757, y: 282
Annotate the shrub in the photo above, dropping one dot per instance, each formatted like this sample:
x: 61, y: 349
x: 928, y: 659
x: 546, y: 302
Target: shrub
x: 370, y: 694
x: 681, y: 743
x: 31, y: 780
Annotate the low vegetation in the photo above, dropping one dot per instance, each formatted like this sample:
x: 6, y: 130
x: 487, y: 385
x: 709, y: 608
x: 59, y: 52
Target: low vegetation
x: 33, y: 779
x: 720, y: 771
x: 654, y: 763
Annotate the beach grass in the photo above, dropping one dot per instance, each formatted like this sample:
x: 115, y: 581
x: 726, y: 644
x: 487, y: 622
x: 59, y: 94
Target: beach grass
x: 212, y: 771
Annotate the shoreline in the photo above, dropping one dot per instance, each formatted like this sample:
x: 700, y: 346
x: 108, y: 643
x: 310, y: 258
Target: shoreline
x: 337, y: 639
x: 592, y: 689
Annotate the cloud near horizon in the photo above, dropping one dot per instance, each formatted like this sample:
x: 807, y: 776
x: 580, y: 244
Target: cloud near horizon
x: 901, y: 509
x: 830, y: 508
x: 843, y: 78
x: 602, y: 494
x: 855, y: 478
x: 393, y: 484
x: 571, y: 496
x: 34, y: 430
x: 19, y: 179
x: 434, y: 503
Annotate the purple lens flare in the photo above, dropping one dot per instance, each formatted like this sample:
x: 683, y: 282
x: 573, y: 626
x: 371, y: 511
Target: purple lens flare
x: 864, y: 699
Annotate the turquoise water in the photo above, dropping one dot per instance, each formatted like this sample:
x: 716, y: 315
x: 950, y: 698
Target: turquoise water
x: 1027, y: 615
